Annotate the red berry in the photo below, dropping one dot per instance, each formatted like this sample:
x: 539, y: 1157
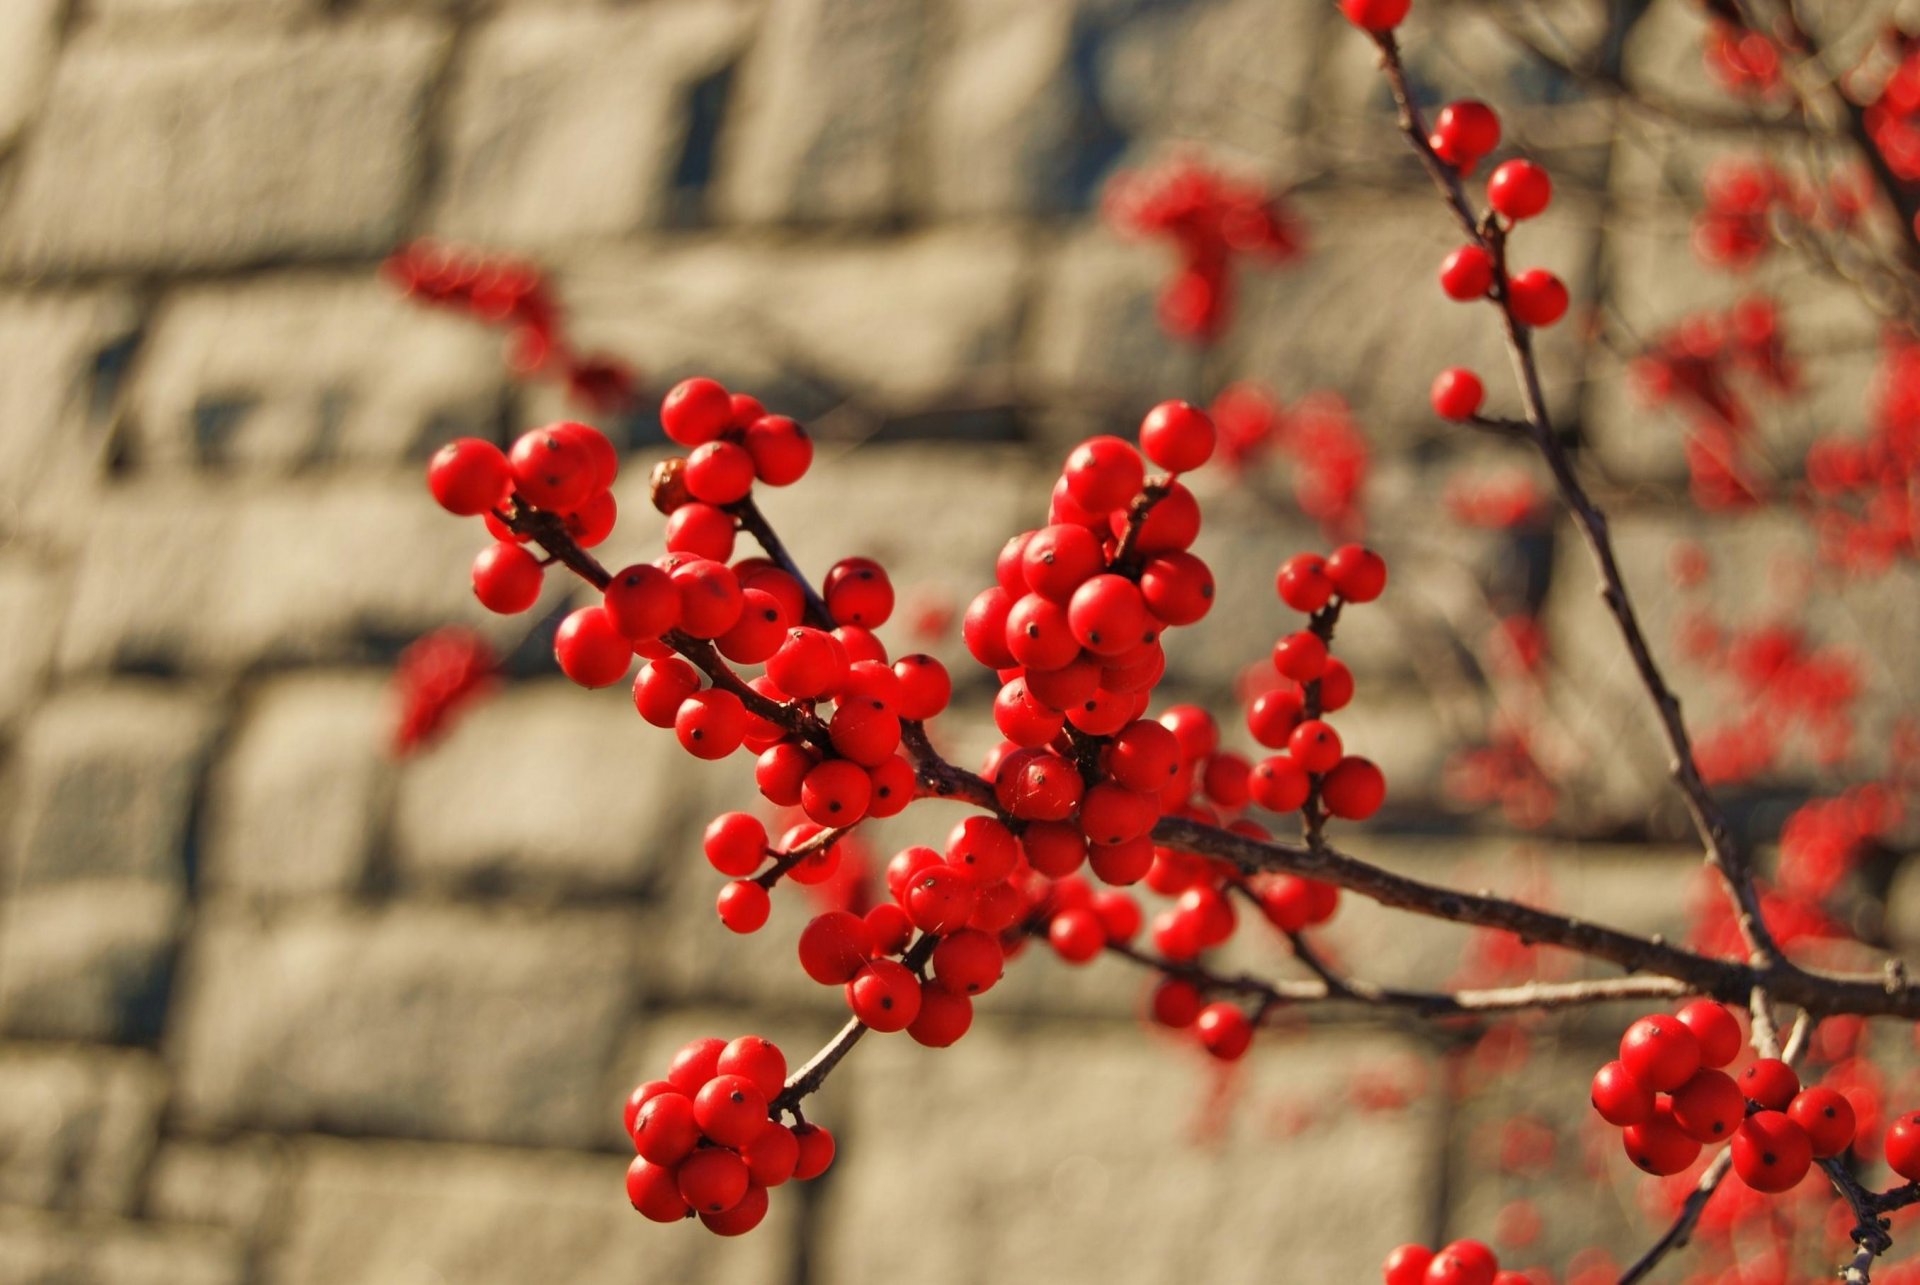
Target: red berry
x: 1375, y: 15
x: 1037, y: 785
x: 865, y: 731
x: 1279, y: 783
x: 1709, y: 1107
x: 1465, y: 131
x: 665, y: 1131
x: 468, y: 477
x: 1177, y: 437
x: 719, y: 472
x: 1055, y: 849
x: 1466, y: 273
x: 590, y: 650
x: 1358, y: 573
x: 1464, y: 1262
x: 781, y: 450
x: 1314, y: 745
x: 884, y: 995
x: 506, y: 578
x: 1103, y: 474
x: 1716, y: 1029
x: 1353, y: 789
x: 1457, y: 393
x: 655, y: 1191
x: 943, y: 1018
x: 1827, y: 1117
x: 835, y: 946
x: 1300, y: 656
x: 1537, y: 297
x: 1336, y: 686
x: 811, y: 663
x: 1406, y: 1265
x: 696, y: 411
x: 593, y: 522
x: 1224, y: 1030
x: 772, y: 1155
x: 1658, y: 1146
x: 710, y: 597
x: 702, y: 530
x: 982, y: 849
x: 1175, y: 1003
x: 695, y: 1062
x: 713, y: 1180
x: 710, y: 723
x: 892, y: 785
x: 925, y: 686
x: 759, y: 631
x: 968, y: 962
x: 730, y: 1109
x: 1770, y: 1152
x: 1519, y: 189
x: 1143, y: 755
x: 836, y: 793
x: 984, y: 628
x: 552, y: 471
x: 859, y: 595
x: 743, y: 906
x: 940, y: 899
x: 1076, y: 935
x: 642, y: 602
x: 1273, y: 715
x: 1771, y: 1083
x: 1660, y: 1052
x: 746, y: 1213
x: 1619, y: 1098
x: 1057, y: 559
x: 1302, y: 582
x: 1903, y: 1146
x: 735, y: 844
x: 1171, y: 524
x: 816, y: 1151
x: 1108, y: 616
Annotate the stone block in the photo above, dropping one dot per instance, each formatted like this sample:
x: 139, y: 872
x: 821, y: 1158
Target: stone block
x: 36, y: 1249
x: 76, y: 1126
x: 241, y: 1184
x: 32, y: 597
x: 29, y: 39
x: 224, y: 150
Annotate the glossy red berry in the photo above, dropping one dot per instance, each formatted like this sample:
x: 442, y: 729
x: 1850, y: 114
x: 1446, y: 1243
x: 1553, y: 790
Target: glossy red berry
x: 655, y: 1191
x: 1466, y: 273
x: 743, y: 906
x: 711, y: 723
x: 730, y: 1109
x: 1353, y: 789
x: 713, y: 1180
x: 1300, y: 656
x: 810, y: 663
x: 590, y: 650
x: 694, y: 1063
x: 1464, y: 131
x: 1717, y: 1030
x: 1827, y: 1117
x: 552, y: 471
x: 1336, y: 686
x: 1457, y: 393
x: 1770, y: 1152
x: 1709, y: 1107
x: 968, y: 962
x: 940, y: 899
x: 710, y: 597
x: 884, y: 995
x: 1519, y: 189
x: 859, y: 594
x: 1103, y: 474
x: 1537, y: 297
x: 1358, y: 573
x: 469, y: 477
x: 780, y: 448
x: 1279, y: 783
x: 772, y: 1155
x: 1302, y: 582
x: 982, y: 849
x: 944, y: 1017
x: 1406, y: 1265
x: 1619, y: 1098
x: 1658, y: 1146
x: 745, y: 1214
x: 1177, y: 587
x: 1464, y: 1262
x: 1314, y: 745
x: 719, y: 472
x: 1375, y: 15
x: 834, y: 947
x: 696, y: 411
x: 1224, y: 1030
x: 1108, y: 616
x: 816, y: 1151
x: 1177, y: 437
x: 1771, y: 1083
x: 925, y: 686
x: 506, y: 578
x: 836, y: 793
x: 1660, y: 1052
x: 1076, y: 935
x: 665, y: 1131
x: 642, y: 602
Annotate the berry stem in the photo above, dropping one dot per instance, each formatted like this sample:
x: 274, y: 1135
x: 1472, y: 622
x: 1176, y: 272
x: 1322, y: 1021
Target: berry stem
x: 755, y: 524
x: 809, y: 1078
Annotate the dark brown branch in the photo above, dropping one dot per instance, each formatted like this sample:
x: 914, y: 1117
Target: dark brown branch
x: 800, y: 852
x: 808, y: 1079
x: 755, y: 524
x: 1125, y: 554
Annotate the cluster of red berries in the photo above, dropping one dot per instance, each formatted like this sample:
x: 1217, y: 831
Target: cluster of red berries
x: 709, y: 1142
x: 507, y: 292
x: 1669, y: 1095
x: 1211, y: 219
x: 1787, y: 691
x: 1517, y: 190
x: 438, y: 675
x: 1892, y: 117
x: 1463, y: 1262
x: 1823, y: 840
x: 1869, y: 508
x: 1743, y: 61
x: 1319, y: 438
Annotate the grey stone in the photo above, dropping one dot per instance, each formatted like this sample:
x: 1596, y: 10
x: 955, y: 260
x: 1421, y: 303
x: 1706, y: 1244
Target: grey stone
x: 545, y: 786
x: 290, y: 371
x: 826, y: 105
x: 76, y: 1126
x: 38, y: 1250
x: 373, y: 1213
x: 567, y: 124
x: 489, y: 1025
x: 297, y: 796
x: 87, y: 959
x: 221, y: 151
x: 1078, y: 1180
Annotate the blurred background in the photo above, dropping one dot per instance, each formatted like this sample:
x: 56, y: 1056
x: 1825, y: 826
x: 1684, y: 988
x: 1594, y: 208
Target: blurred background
x: 279, y: 1004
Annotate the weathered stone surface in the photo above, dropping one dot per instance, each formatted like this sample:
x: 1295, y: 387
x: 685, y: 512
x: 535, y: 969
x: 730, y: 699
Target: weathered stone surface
x: 38, y: 1250
x: 489, y: 1025
x: 29, y: 34
x: 569, y: 123
x: 826, y: 103
x: 222, y: 151
x: 31, y: 597
x: 1072, y: 1147
x: 374, y: 1213
x: 146, y: 15
x: 299, y: 792
x: 87, y: 959
x: 545, y: 786
x: 292, y: 371
x: 241, y: 1185
x: 76, y: 1126
x: 302, y: 571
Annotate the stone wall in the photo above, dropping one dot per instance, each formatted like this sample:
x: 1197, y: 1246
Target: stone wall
x: 274, y: 1008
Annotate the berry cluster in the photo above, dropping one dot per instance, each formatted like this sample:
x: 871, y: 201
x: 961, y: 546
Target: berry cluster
x: 506, y: 292
x: 1211, y: 219
x: 1670, y: 1096
x: 1319, y: 438
x: 1463, y: 1262
x: 1868, y: 513
x: 439, y: 675
x: 709, y: 1141
x: 1743, y: 61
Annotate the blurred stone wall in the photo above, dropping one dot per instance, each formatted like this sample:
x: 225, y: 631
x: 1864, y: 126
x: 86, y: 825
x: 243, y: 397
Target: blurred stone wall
x: 276, y: 1008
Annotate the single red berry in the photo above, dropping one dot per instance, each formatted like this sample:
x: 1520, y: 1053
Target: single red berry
x: 1464, y: 1262
x: 661, y: 687
x: 1709, y: 1106
x: 469, y: 477
x: 710, y: 597
x: 884, y: 995
x: 747, y: 1213
x: 1173, y: 523
x: 968, y: 962
x: 759, y: 1060
x: 1336, y: 686
x: 944, y: 1017
x: 713, y: 1180
x: 809, y: 664
x: 1375, y: 15
x: 1057, y: 559
x: 1175, y: 1003
x: 655, y: 1191
x: 925, y: 686
x: 1827, y: 1117
x: 1300, y: 656
x: 1537, y: 297
x: 665, y: 1131
x: 1076, y: 935
x: 1055, y: 849
x: 1457, y: 393
x: 1519, y: 189
x: 1124, y: 863
x: 1274, y: 714
x: 1464, y: 131
x: 1103, y: 474
x: 834, y: 946
x: 1177, y: 437
x: 591, y: 651
x: 1406, y: 1265
x: 836, y: 793
x: 983, y: 849
x: 1279, y: 783
x: 1903, y: 1146
x: 593, y: 522
x: 642, y: 1094
x: 781, y: 450
x: 862, y: 596
x: 1619, y: 1098
x: 865, y: 731
x: 506, y: 578
x: 1770, y: 1152
x: 743, y: 906
x: 1358, y: 573
x: 1143, y: 755
x: 772, y: 1155
x: 552, y: 471
x: 1658, y: 1146
x: 891, y: 787
x: 694, y: 1063
x: 890, y: 927
x: 1660, y: 1052
x: 1717, y: 1030
x: 940, y: 899
x: 730, y: 1109
x: 1314, y: 745
x: 1108, y: 616
x: 816, y: 1151
x: 1224, y: 1030
x: 710, y: 723
x: 695, y: 411
x: 1302, y: 582
x: 1466, y: 273
x: 642, y: 602
x: 719, y: 472
x: 1038, y: 785
x: 1771, y: 1083
x: 759, y: 631
x: 1353, y: 789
